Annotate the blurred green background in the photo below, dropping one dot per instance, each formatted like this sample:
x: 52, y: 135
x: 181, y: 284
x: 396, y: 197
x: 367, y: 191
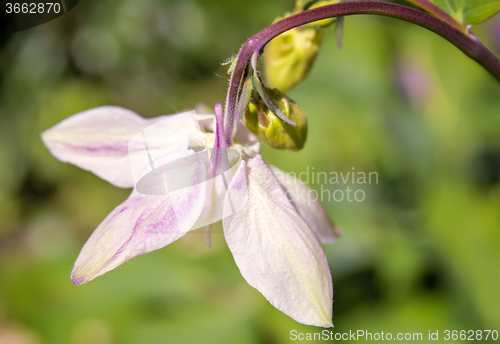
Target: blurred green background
x: 420, y: 253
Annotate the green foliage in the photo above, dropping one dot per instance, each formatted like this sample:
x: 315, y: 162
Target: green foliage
x: 469, y: 11
x: 477, y: 11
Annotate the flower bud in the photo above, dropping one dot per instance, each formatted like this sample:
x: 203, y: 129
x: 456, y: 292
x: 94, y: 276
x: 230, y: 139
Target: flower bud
x: 289, y: 57
x: 272, y: 130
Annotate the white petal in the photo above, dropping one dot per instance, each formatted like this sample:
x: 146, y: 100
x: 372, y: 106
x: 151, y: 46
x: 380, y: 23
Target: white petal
x: 143, y: 223
x: 98, y: 140
x: 207, y: 121
x: 251, y: 145
x: 243, y: 137
x: 308, y: 206
x: 223, y: 165
x: 276, y: 251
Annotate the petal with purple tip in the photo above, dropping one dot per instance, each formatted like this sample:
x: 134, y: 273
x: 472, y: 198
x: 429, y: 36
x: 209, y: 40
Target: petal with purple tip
x: 98, y: 140
x: 143, y: 223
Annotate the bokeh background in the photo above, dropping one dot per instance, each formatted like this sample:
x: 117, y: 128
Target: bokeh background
x: 420, y: 253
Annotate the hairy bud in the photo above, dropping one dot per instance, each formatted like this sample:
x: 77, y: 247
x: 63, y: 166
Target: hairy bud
x: 272, y: 130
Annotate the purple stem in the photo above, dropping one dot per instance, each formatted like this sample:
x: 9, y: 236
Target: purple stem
x: 437, y: 12
x: 469, y: 44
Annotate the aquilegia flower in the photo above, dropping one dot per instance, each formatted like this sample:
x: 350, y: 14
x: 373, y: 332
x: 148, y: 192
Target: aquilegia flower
x: 273, y: 233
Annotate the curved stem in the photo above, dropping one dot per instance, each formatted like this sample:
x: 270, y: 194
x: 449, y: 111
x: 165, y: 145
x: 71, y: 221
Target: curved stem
x: 469, y: 44
x: 437, y: 12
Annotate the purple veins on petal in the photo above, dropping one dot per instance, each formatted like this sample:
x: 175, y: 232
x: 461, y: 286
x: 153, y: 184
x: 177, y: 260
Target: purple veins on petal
x: 143, y: 223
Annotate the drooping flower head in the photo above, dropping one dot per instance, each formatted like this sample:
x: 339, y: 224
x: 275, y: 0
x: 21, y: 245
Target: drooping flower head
x: 184, y: 177
x: 190, y: 170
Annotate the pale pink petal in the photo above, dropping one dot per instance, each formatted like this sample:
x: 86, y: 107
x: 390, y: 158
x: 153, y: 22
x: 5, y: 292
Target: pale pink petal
x: 224, y: 163
x: 309, y: 206
x: 251, y: 145
x: 207, y: 121
x: 276, y: 251
x: 98, y: 140
x: 144, y: 223
x: 243, y: 137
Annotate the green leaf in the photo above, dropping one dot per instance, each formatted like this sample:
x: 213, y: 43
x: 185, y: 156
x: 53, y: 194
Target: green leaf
x: 469, y: 11
x: 477, y: 11
x: 454, y: 8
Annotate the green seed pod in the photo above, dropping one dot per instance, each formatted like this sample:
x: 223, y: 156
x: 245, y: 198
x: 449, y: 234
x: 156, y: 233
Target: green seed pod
x: 289, y: 57
x: 272, y: 130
